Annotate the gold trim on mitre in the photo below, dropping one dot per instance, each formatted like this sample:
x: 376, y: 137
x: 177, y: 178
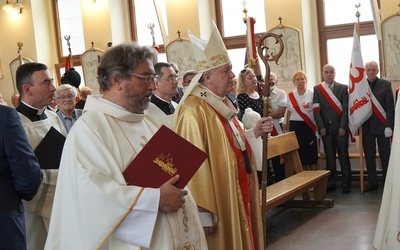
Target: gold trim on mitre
x: 209, y: 55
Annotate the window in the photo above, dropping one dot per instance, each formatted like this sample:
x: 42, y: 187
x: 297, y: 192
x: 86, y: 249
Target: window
x: 68, y: 21
x: 347, y: 11
x: 341, y: 61
x: 336, y: 34
x: 233, y: 30
x: 145, y: 15
x: 232, y: 16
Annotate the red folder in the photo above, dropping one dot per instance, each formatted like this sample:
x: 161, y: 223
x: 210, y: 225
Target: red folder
x: 165, y: 155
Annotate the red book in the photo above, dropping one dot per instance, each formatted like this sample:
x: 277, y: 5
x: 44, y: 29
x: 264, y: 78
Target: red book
x: 165, y: 155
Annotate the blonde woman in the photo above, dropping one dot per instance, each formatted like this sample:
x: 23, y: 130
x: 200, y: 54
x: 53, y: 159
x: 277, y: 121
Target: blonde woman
x: 300, y: 119
x: 248, y: 96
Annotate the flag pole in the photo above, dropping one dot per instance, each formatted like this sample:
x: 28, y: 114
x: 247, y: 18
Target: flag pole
x: 262, y: 50
x: 68, y: 60
x: 360, y: 132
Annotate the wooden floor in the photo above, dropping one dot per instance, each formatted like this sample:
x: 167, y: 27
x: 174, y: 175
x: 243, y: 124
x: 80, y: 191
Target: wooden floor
x: 349, y: 225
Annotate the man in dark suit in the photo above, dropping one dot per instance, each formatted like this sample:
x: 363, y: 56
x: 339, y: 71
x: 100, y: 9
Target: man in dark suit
x: 20, y: 178
x: 166, y: 88
x: 379, y: 127
x: 330, y: 105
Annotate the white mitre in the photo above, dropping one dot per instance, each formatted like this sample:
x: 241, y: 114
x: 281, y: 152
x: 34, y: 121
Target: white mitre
x: 209, y: 54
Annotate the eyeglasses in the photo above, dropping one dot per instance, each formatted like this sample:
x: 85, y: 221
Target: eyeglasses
x: 146, y: 78
x: 171, y: 79
x: 63, y: 97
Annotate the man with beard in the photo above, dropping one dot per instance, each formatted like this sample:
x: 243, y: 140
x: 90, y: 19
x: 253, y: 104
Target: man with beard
x: 95, y: 208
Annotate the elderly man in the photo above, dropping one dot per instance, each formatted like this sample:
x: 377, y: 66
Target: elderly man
x: 95, y: 208
x: 330, y: 107
x: 378, y: 129
x: 225, y: 187
x: 161, y: 105
x: 35, y: 84
x: 65, y: 96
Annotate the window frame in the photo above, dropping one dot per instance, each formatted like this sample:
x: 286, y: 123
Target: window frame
x: 76, y: 59
x: 132, y: 21
x: 232, y: 42
x: 340, y: 31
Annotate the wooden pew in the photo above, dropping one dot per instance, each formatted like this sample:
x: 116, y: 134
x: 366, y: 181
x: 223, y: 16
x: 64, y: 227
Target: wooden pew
x: 297, y: 181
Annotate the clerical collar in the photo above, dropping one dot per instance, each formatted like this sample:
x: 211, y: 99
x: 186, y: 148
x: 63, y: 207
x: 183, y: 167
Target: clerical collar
x: 161, y: 99
x: 38, y: 111
x: 165, y: 106
x: 30, y: 112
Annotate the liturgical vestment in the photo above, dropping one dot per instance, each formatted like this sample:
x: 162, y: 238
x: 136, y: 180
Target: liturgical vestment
x: 202, y: 118
x: 387, y: 233
x: 94, y: 208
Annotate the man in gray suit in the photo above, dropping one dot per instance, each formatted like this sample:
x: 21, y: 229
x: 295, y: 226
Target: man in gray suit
x: 330, y: 105
x: 379, y: 127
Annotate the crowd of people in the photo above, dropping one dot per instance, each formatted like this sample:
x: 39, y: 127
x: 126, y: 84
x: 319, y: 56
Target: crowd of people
x: 84, y: 201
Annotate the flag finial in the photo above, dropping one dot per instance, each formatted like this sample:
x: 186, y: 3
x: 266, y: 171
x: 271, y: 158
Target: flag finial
x: 358, y: 5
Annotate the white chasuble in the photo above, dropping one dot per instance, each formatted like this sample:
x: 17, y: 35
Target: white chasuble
x: 94, y: 208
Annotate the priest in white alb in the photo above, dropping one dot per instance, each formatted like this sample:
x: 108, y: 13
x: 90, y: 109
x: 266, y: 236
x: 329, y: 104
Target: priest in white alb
x: 94, y: 207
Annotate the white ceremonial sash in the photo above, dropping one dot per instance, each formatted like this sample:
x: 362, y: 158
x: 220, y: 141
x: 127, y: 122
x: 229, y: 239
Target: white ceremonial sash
x: 298, y: 106
x: 378, y: 109
x: 277, y: 130
x: 330, y: 97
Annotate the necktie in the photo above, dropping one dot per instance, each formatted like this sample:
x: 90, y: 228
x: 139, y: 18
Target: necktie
x: 330, y: 87
x: 171, y: 108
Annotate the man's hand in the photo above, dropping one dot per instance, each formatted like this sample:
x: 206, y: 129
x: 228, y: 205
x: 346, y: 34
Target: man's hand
x: 322, y: 132
x: 342, y: 131
x: 171, y: 197
x: 388, y: 132
x: 264, y: 125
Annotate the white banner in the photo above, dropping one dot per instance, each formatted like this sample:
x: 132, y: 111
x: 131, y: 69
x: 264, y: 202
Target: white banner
x: 360, y: 108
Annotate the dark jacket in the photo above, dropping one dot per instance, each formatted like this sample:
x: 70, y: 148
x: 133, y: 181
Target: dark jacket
x: 20, y: 178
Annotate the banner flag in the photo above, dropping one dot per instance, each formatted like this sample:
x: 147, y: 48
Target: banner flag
x: 360, y: 107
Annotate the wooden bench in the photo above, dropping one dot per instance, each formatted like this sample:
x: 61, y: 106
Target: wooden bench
x: 297, y: 181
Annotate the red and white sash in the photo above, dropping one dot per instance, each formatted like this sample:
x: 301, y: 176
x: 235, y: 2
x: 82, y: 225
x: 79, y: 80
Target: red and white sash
x: 298, y: 106
x: 331, y: 98
x: 335, y: 104
x: 378, y: 109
